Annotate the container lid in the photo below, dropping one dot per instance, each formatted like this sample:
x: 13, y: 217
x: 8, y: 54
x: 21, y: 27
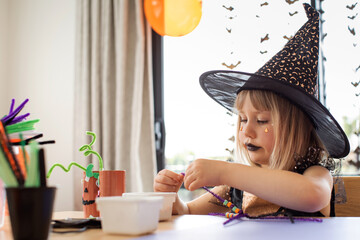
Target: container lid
x: 131, y: 199
x: 132, y: 194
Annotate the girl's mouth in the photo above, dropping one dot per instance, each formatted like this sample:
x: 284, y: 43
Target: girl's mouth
x: 251, y: 147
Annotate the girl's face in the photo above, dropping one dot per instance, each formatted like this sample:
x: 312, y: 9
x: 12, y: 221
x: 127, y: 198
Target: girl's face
x: 256, y: 132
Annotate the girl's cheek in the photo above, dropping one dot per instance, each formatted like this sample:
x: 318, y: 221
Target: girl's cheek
x: 269, y: 139
x: 241, y: 136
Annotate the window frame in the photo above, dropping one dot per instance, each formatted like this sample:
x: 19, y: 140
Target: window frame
x: 158, y: 88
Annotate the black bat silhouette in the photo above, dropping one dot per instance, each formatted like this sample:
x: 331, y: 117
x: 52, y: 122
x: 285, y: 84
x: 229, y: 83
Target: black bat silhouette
x: 352, y: 6
x: 291, y: 1
x: 352, y: 31
x: 228, y: 8
x: 352, y: 17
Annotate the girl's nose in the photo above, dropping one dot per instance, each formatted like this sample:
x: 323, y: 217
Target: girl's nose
x: 248, y: 131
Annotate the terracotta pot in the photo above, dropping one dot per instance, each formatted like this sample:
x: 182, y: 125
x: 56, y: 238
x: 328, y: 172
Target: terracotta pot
x: 90, y: 192
x: 112, y: 182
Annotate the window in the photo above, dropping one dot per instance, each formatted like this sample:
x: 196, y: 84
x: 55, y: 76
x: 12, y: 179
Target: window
x: 243, y: 39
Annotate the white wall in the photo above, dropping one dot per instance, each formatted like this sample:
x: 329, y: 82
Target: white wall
x: 39, y: 37
x: 3, y: 55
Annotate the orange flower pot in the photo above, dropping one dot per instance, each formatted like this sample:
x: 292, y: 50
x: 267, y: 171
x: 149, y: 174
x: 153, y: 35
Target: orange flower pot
x: 90, y: 192
x: 112, y: 182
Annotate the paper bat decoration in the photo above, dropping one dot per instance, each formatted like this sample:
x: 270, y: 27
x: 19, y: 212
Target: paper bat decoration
x: 265, y: 38
x: 352, y: 6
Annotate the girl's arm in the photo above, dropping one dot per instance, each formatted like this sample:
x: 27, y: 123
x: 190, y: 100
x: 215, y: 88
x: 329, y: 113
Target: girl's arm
x: 204, y: 204
x: 207, y: 203
x: 309, y: 192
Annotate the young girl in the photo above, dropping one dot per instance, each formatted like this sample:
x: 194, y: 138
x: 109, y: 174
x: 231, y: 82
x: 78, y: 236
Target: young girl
x: 284, y: 140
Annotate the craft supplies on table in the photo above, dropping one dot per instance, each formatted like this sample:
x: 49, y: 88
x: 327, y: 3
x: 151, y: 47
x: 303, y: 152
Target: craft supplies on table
x: 22, y: 169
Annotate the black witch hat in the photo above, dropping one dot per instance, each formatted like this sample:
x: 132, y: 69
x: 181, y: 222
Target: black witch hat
x: 292, y: 74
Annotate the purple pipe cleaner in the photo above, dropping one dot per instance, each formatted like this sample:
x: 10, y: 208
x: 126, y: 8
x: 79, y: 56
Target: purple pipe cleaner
x: 238, y: 216
x: 12, y: 105
x: 7, y: 120
x: 19, y: 118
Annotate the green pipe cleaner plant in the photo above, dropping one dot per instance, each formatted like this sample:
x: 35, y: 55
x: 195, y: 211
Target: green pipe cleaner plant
x: 88, y: 170
x: 88, y: 150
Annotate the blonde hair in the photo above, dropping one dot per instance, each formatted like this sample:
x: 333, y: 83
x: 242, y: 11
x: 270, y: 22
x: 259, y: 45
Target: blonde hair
x: 294, y: 133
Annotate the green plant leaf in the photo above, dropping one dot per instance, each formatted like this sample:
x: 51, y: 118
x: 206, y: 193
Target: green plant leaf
x: 89, y: 172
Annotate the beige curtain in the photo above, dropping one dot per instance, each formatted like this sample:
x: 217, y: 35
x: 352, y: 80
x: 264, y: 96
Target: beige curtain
x: 113, y: 90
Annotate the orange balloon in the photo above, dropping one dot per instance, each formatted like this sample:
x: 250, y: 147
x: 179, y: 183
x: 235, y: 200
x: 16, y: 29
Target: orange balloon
x: 173, y: 17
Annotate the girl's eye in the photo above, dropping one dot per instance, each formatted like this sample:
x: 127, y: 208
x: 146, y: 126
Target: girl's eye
x: 262, y: 121
x: 243, y: 120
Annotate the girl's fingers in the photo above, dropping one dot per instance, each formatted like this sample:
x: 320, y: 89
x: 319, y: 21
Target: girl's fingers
x: 171, y: 174
x: 167, y: 181
x: 191, y: 186
x: 189, y: 179
x: 194, y: 178
x: 164, y: 188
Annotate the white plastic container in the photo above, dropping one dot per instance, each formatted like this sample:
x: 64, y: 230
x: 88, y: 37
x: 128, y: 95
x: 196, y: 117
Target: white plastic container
x: 129, y: 216
x: 169, y: 199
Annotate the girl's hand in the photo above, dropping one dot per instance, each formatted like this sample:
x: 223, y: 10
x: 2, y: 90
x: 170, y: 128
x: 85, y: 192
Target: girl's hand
x: 168, y: 181
x: 204, y: 172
